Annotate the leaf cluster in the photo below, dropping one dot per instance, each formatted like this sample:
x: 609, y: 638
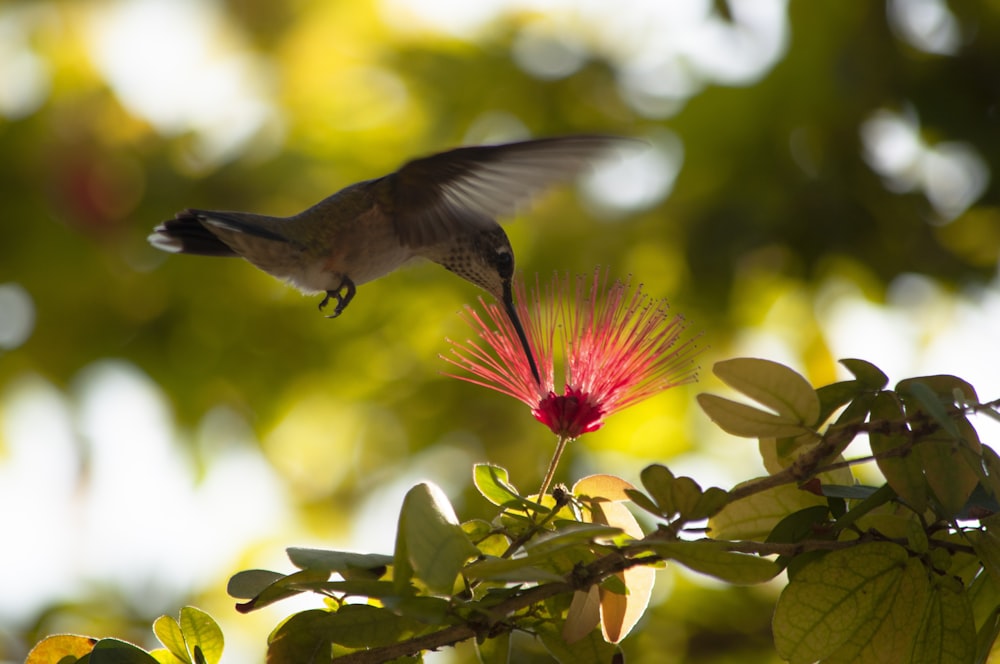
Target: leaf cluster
x: 907, y: 571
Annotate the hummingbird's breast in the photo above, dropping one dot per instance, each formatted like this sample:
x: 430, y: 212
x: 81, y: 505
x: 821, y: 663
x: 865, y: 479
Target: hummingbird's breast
x: 353, y: 237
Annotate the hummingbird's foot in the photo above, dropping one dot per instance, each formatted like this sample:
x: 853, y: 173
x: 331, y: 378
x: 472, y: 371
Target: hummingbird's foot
x: 343, y: 299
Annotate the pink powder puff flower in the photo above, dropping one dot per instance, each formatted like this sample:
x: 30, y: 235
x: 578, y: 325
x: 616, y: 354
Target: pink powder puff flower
x: 618, y: 350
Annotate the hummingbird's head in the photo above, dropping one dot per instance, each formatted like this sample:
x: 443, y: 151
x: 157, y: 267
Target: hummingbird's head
x: 486, y: 258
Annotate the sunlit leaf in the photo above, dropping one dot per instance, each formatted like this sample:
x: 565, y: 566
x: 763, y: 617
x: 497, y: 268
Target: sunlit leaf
x: 774, y: 385
x: 169, y: 633
x: 583, y: 615
x: 59, y: 648
x: 712, y: 558
x: 871, y: 604
x: 436, y: 545
x: 164, y: 656
x: 621, y: 611
x: 607, y: 487
x: 756, y: 515
x: 746, y: 421
x: 493, y: 483
x: 201, y: 631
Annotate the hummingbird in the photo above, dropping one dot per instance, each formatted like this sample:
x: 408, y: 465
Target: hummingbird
x: 442, y: 208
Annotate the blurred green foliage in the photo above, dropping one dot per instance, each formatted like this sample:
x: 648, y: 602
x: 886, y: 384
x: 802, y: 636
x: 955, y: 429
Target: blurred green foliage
x: 773, y: 187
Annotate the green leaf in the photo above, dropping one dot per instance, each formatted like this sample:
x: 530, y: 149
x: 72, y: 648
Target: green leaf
x: 947, y: 633
x: 436, y: 546
x: 673, y: 495
x: 345, y: 563
x: 755, y: 516
x: 493, y: 483
x: 525, y: 569
x: 286, y: 586
x: 309, y: 635
x: 986, y: 544
x: 867, y: 373
x: 948, y: 469
x: 872, y: 604
x: 169, y: 633
x: 873, y: 500
x: 774, y: 385
x: 839, y: 601
x: 833, y: 396
x: 591, y: 649
x: 800, y: 525
x: 711, y: 501
x: 746, y: 421
x: 304, y: 637
x: 115, y: 651
x: 903, y: 472
x: 250, y: 583
x: 571, y: 534
x: 494, y: 650
x: 712, y: 558
x: 930, y: 402
x: 202, y: 632
x: 60, y: 648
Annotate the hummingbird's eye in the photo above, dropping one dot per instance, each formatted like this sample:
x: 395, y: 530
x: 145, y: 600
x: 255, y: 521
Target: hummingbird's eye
x: 505, y: 263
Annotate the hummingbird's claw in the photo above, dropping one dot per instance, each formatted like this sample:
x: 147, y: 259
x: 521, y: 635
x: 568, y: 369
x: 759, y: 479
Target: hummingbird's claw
x: 343, y: 300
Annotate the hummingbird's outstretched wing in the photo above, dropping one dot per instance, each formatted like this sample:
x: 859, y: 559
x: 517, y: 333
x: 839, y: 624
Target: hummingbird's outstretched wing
x: 434, y: 196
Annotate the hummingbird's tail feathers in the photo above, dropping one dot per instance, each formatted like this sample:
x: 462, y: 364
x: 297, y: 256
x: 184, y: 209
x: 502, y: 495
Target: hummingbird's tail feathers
x: 240, y: 222
x: 185, y: 234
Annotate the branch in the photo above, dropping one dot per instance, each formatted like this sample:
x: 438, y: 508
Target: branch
x: 580, y: 579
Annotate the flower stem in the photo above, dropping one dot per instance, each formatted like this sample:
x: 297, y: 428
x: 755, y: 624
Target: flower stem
x: 560, y: 446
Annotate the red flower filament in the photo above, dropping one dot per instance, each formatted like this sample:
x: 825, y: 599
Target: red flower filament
x: 618, y: 351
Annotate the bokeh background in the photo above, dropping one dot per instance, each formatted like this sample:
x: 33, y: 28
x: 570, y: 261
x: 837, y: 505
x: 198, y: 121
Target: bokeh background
x: 821, y: 183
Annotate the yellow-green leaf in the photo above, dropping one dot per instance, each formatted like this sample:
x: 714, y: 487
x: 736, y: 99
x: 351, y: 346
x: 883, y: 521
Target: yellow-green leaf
x: 56, y: 648
x: 947, y: 632
x: 756, y: 515
x: 436, y: 545
x: 746, y: 421
x: 836, y: 605
x: 773, y: 385
x: 169, y: 633
x: 202, y: 632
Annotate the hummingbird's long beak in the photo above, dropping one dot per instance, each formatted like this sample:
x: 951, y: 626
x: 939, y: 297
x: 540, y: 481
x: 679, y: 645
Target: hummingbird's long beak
x: 508, y: 303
